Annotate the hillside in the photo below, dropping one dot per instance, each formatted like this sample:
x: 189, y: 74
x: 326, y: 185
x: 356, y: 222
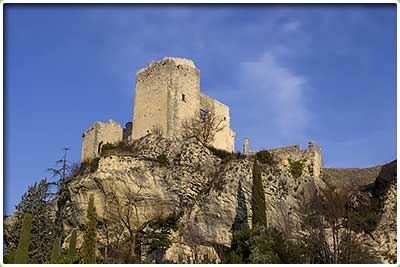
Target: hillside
x: 166, y: 200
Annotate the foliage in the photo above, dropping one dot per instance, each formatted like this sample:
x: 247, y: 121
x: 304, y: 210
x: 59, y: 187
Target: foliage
x: 9, y: 257
x: 296, y: 167
x: 35, y: 201
x: 163, y: 160
x: 90, y: 165
x: 330, y: 211
x: 264, y: 157
x: 122, y: 146
x: 258, y: 198
x: 21, y: 254
x: 90, y: 238
x: 240, y: 248
x: 72, y: 244
x: 364, y: 217
x: 157, y: 234
x: 55, y: 251
x: 263, y: 245
x: 269, y: 246
x: 65, y: 259
x: 220, y: 153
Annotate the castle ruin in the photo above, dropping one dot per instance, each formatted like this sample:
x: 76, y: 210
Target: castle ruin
x: 167, y: 94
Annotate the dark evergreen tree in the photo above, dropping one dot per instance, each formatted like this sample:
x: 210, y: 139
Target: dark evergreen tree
x: 21, y: 254
x: 90, y: 238
x: 258, y: 198
x: 55, y: 252
x: 35, y: 201
x: 72, y: 244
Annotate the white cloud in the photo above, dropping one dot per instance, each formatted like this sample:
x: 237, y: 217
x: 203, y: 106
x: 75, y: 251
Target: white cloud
x: 277, y: 95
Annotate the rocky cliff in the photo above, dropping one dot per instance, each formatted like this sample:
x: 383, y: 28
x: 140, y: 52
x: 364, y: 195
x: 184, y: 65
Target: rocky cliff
x: 150, y: 179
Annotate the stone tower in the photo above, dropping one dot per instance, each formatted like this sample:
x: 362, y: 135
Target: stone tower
x: 246, y: 146
x: 167, y: 94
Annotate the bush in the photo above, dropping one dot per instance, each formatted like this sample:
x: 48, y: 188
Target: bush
x: 108, y: 146
x: 220, y: 153
x: 118, y: 147
x: 91, y: 165
x: 163, y: 160
x: 296, y: 167
x: 9, y: 257
x: 264, y: 157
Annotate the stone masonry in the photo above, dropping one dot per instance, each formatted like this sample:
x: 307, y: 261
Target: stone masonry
x: 167, y: 94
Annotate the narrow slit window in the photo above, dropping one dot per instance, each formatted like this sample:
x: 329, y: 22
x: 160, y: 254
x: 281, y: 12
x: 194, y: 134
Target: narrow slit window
x: 99, y: 148
x: 183, y: 97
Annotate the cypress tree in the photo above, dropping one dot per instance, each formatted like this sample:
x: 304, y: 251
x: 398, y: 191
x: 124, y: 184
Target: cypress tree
x: 72, y: 244
x: 55, y: 251
x: 258, y: 198
x: 89, y: 243
x: 21, y: 254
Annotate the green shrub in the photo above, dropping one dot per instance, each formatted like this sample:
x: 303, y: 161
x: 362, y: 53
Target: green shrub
x: 118, y: 147
x: 296, y: 167
x: 9, y: 257
x: 220, y: 153
x: 163, y: 160
x: 108, y: 146
x: 264, y: 157
x: 91, y: 165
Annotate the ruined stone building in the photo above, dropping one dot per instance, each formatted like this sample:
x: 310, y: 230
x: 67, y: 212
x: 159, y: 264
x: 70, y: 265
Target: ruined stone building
x: 167, y: 94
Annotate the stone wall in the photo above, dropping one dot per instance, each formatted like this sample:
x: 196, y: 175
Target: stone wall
x: 312, y: 157
x: 225, y: 139
x: 168, y: 94
x: 183, y: 95
x: 99, y: 134
x: 119, y: 162
x: 151, y: 94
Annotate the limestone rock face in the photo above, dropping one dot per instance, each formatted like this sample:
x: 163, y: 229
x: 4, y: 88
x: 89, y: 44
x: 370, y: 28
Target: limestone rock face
x: 165, y: 176
x: 153, y: 177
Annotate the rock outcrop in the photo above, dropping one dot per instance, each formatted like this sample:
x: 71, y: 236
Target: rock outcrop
x: 152, y: 178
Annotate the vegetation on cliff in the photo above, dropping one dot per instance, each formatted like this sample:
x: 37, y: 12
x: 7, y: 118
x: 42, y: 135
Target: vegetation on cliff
x: 330, y: 226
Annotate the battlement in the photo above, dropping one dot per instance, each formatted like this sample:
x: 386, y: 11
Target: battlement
x: 312, y: 156
x: 180, y: 63
x: 167, y: 94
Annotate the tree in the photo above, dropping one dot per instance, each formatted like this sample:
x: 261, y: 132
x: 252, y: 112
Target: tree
x: 122, y: 228
x: 72, y: 244
x: 258, y: 198
x: 55, y: 252
x: 21, y: 254
x: 37, y: 202
x: 327, y: 234
x: 90, y: 238
x: 204, y: 127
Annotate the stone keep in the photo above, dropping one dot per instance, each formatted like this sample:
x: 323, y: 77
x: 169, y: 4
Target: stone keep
x: 168, y: 94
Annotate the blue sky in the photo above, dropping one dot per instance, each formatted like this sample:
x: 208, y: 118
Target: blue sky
x: 290, y: 74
